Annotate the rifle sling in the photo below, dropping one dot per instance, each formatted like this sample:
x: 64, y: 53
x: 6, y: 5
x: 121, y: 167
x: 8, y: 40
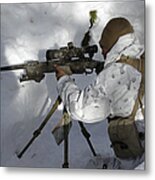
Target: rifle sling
x: 139, y: 65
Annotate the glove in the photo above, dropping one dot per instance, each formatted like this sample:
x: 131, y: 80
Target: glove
x: 62, y: 71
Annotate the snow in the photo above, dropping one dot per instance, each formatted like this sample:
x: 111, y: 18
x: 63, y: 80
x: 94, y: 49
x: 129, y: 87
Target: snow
x: 27, y: 31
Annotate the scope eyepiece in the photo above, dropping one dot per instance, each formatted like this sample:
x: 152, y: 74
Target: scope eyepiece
x: 92, y: 49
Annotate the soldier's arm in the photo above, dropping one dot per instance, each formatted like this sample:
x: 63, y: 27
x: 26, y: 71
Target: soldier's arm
x: 87, y: 105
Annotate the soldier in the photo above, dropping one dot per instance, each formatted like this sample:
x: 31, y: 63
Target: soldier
x: 117, y: 92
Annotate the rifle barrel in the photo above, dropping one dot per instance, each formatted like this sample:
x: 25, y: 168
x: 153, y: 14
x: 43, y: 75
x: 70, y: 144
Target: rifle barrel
x: 13, y: 67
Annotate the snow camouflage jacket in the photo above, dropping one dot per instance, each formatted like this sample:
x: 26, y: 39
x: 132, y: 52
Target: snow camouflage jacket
x: 114, y: 91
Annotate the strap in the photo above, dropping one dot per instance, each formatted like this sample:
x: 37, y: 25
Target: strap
x: 138, y: 64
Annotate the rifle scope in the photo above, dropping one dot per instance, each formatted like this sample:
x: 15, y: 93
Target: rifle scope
x: 70, y: 51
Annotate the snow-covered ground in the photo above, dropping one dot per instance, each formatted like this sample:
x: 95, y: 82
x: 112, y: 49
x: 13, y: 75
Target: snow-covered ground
x: 27, y: 31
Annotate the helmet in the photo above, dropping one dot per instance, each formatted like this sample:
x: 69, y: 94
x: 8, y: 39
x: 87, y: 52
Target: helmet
x: 115, y: 28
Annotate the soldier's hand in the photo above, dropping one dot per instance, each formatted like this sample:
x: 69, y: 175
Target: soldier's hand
x: 59, y: 72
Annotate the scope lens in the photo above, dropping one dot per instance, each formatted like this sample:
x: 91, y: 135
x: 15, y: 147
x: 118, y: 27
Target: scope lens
x: 91, y: 49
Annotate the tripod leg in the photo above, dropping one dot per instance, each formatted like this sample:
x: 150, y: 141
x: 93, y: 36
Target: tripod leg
x: 87, y: 136
x: 66, y: 164
x: 37, y: 132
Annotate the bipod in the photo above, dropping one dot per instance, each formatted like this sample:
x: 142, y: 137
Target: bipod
x: 66, y: 145
x: 66, y: 142
x: 61, y: 134
x: 66, y: 129
x: 87, y: 136
x: 37, y: 132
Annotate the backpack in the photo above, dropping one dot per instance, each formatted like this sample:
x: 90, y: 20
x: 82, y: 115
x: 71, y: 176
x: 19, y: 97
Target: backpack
x: 123, y: 134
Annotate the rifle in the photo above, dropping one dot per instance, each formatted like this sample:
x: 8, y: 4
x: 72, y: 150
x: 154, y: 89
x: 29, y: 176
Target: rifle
x: 73, y: 59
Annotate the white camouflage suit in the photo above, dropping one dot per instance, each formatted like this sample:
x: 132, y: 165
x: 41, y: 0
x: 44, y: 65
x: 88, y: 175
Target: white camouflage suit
x: 114, y: 91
